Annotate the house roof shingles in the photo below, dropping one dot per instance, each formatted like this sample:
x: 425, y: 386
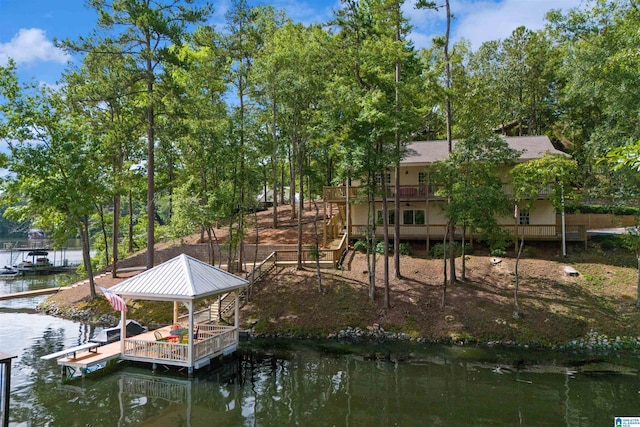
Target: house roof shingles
x: 427, y: 152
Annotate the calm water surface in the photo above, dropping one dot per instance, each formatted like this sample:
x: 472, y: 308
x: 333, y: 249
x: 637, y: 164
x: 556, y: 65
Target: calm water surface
x: 318, y: 384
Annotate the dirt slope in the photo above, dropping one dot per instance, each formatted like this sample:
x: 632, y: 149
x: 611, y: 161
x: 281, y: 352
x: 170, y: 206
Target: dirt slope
x: 554, y: 308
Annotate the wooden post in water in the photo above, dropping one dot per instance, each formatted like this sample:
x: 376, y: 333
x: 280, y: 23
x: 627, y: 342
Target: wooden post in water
x: 5, y: 386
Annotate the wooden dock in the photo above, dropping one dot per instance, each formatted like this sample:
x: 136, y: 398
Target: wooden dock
x: 84, y: 360
x: 30, y: 294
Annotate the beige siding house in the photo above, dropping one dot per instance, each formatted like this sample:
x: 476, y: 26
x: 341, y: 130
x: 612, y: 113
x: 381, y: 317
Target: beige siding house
x: 421, y: 216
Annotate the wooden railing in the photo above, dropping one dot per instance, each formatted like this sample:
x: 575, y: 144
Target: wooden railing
x: 212, y: 340
x: 156, y: 350
x: 436, y: 231
x: 406, y: 231
x: 406, y: 193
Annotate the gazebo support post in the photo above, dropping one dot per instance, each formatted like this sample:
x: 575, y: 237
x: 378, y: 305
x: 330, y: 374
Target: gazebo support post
x: 189, y: 305
x: 175, y: 312
x: 123, y: 330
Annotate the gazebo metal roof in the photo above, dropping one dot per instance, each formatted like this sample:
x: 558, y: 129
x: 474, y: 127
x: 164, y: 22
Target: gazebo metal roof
x: 182, y: 278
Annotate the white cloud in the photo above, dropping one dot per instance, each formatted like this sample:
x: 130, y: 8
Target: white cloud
x: 29, y: 46
x: 482, y: 20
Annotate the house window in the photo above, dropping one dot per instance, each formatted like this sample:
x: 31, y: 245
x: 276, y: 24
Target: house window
x: 392, y: 217
x: 387, y: 178
x: 413, y: 217
x: 422, y: 177
x: 523, y: 217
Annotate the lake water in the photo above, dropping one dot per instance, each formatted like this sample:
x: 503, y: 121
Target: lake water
x: 29, y: 283
x: 317, y: 384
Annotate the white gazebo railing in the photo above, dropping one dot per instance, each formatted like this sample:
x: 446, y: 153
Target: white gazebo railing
x: 212, y: 341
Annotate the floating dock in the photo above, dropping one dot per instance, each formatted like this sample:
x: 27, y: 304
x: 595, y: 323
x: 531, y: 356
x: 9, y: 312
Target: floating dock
x: 30, y: 294
x: 85, y: 357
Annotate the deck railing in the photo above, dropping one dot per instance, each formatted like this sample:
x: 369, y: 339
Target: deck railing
x: 156, y: 350
x: 211, y: 341
x: 405, y: 193
x: 437, y: 231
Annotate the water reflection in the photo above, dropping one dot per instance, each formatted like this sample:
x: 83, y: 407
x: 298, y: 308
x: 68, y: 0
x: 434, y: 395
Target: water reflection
x: 309, y: 384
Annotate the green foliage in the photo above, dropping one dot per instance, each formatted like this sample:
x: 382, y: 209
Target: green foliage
x: 499, y: 247
x: 602, y: 209
x: 437, y: 250
x: 499, y: 252
x: 608, y: 243
x: 360, y: 246
x: 405, y: 248
x: 529, y: 251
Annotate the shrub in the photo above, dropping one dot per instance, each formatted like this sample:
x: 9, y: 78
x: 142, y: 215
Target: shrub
x: 498, y: 252
x: 499, y: 248
x: 608, y: 243
x: 468, y: 249
x: 437, y: 250
x: 405, y: 249
x: 360, y: 246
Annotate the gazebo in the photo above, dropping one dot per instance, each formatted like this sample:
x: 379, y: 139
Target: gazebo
x: 185, y: 280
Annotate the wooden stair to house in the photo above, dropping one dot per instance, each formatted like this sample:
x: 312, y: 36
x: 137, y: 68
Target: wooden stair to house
x: 225, y: 305
x: 335, y: 225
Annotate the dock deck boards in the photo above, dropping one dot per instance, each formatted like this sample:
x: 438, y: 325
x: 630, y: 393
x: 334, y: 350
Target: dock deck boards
x: 85, y: 359
x: 90, y: 346
x: 30, y: 294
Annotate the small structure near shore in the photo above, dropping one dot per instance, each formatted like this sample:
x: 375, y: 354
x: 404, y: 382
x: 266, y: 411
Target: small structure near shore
x: 183, y: 280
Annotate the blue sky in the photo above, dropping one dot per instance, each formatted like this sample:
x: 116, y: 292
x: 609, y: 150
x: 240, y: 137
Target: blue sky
x: 28, y: 27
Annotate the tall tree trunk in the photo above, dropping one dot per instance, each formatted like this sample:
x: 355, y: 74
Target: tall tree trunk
x: 151, y: 207
x: 86, y: 253
x: 115, y: 234
x: 274, y: 164
x: 105, y: 237
x: 370, y: 237
x: 242, y: 179
x: 301, y: 203
x: 210, y: 249
x: 451, y: 228
x: 385, y: 240
x: 444, y: 267
x: 463, y: 260
x: 130, y: 224
x: 396, y: 224
x: 515, y: 292
x: 315, y: 233
x: 292, y: 178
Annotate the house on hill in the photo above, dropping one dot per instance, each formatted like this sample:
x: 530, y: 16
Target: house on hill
x: 422, y: 213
